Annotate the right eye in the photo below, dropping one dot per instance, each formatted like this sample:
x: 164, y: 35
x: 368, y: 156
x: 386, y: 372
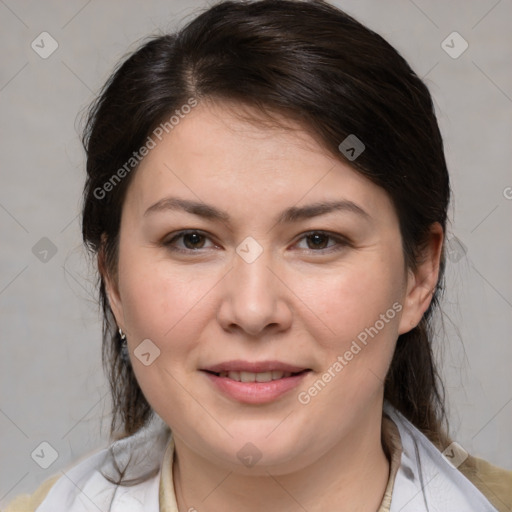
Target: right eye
x: 193, y: 240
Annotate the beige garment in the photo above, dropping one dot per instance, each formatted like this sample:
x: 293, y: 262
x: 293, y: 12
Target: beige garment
x: 29, y: 502
x: 495, y: 483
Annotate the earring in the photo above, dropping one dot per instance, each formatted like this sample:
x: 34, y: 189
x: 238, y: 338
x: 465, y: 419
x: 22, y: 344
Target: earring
x: 125, y: 357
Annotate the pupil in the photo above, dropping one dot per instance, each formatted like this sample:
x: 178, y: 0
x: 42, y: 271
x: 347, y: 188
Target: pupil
x: 193, y: 238
x: 316, y: 237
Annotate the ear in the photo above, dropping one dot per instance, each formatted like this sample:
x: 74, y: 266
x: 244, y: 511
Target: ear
x: 422, y: 281
x: 111, y: 286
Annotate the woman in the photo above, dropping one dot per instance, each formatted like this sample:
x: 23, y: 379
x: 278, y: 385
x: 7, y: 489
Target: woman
x: 267, y: 196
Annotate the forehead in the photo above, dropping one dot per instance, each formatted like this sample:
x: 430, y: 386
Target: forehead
x: 234, y: 138
x: 214, y: 154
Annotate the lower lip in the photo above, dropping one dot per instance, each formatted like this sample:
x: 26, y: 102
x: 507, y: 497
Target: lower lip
x: 256, y: 392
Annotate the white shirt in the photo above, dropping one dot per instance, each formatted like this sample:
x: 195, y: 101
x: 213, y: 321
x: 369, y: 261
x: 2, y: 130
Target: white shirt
x: 425, y: 481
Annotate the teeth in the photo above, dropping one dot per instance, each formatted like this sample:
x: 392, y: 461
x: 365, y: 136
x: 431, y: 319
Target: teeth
x: 255, y: 377
x: 262, y: 377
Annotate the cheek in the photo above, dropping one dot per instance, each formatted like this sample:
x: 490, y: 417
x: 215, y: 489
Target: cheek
x: 361, y: 306
x: 355, y: 298
x: 362, y: 310
x: 167, y: 304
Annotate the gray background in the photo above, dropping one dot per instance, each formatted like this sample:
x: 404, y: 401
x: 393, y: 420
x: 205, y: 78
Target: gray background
x: 52, y: 387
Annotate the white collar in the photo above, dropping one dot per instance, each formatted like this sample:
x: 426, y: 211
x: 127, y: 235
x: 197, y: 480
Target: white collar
x: 83, y: 488
x: 425, y: 481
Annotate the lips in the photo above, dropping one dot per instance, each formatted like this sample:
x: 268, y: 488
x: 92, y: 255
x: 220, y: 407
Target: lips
x: 255, y: 382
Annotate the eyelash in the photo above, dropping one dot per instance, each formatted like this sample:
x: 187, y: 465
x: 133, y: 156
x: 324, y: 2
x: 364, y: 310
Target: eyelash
x: 342, y: 242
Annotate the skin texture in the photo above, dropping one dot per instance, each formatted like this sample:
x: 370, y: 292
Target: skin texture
x: 298, y: 302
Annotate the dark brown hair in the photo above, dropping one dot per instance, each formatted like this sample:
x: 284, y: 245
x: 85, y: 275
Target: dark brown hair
x: 315, y: 64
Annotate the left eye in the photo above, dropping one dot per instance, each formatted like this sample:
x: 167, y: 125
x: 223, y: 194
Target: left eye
x: 316, y: 241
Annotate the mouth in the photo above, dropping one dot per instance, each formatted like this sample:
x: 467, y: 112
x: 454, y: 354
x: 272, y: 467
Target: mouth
x: 243, y: 376
x: 255, y: 383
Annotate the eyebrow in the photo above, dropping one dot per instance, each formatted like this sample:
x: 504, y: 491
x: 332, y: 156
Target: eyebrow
x: 290, y: 215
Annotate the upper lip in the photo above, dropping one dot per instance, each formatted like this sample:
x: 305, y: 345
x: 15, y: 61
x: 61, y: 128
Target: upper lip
x: 254, y: 367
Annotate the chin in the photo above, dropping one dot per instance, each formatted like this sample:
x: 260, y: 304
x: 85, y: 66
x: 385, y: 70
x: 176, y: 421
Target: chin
x: 259, y: 454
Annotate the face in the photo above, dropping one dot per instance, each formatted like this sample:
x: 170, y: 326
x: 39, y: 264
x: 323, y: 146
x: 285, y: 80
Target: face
x: 253, y: 313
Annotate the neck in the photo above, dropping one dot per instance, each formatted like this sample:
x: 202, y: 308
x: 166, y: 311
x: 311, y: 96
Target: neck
x: 352, y: 476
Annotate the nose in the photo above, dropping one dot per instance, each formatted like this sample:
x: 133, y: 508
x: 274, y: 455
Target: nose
x: 255, y: 299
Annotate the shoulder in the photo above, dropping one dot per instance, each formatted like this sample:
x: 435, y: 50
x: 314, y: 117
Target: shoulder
x: 467, y: 481
x: 492, y: 481
x: 85, y: 471
x: 125, y: 473
x: 29, y: 502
